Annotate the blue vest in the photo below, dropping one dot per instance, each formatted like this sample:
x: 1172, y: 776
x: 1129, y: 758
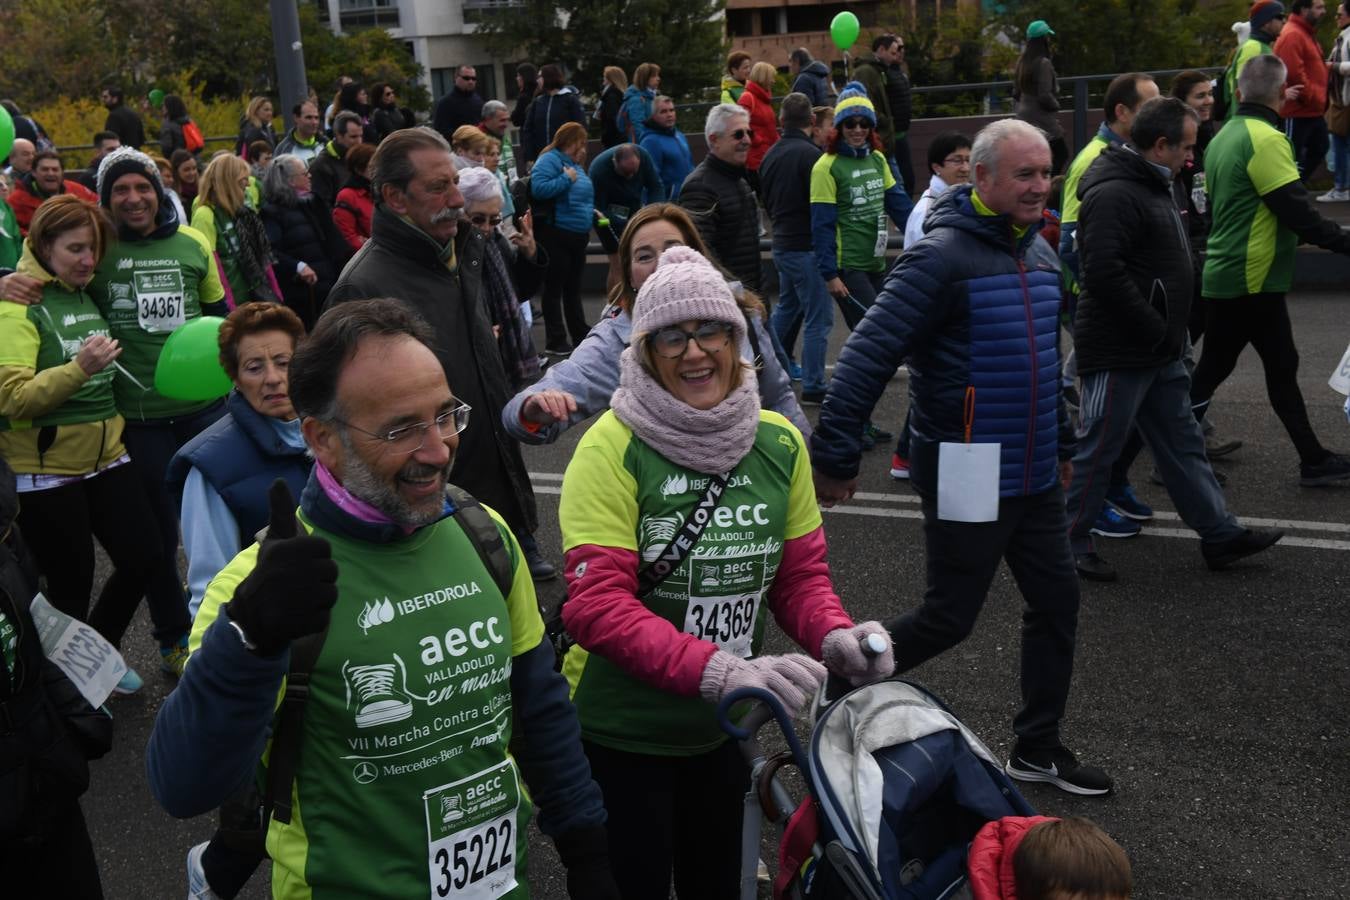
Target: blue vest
x: 240, y: 455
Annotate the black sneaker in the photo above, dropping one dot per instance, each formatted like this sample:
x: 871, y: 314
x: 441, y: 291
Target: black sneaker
x: 1092, y: 567
x: 1222, y: 554
x: 1334, y: 468
x: 540, y: 568
x: 813, y: 398
x: 1058, y: 766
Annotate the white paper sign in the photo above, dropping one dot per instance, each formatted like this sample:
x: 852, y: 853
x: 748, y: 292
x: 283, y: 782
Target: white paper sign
x: 968, y: 482
x: 89, y: 661
x: 1340, y: 379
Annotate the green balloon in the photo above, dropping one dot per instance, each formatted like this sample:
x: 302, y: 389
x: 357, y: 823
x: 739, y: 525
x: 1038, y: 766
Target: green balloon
x: 189, y: 365
x: 156, y: 97
x: 844, y: 30
x: 6, y: 132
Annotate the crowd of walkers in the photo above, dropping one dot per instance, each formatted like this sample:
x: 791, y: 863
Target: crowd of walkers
x: 357, y: 516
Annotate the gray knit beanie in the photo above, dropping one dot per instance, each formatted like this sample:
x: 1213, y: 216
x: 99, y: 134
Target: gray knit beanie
x: 126, y: 161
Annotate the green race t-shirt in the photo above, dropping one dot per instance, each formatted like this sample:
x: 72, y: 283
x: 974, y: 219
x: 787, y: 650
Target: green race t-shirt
x: 9, y: 642
x: 619, y: 492
x: 857, y: 188
x: 50, y: 334
x: 1249, y: 251
x: 146, y: 289
x: 404, y: 787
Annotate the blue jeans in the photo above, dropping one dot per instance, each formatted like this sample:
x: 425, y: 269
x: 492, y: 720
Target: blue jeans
x: 1158, y: 401
x: 801, y: 291
x: 1340, y: 158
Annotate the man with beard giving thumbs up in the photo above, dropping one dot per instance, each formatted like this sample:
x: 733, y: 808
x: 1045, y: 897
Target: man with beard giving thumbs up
x: 378, y: 645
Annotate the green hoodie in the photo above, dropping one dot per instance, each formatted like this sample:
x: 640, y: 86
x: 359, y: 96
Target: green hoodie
x: 11, y: 242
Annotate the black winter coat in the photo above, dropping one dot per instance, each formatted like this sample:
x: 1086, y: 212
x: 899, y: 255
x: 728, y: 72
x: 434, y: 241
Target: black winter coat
x: 611, y: 100
x: 1136, y: 270
x: 123, y: 122
x: 455, y: 109
x: 328, y: 174
x: 547, y: 113
x: 785, y: 180
x: 305, y: 233
x: 898, y: 97
x: 387, y: 120
x: 401, y: 261
x: 721, y: 203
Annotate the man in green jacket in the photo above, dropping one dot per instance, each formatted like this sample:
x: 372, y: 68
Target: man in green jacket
x: 871, y: 71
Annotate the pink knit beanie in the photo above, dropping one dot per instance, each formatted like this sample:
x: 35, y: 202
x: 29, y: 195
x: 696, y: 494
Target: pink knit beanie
x: 685, y: 286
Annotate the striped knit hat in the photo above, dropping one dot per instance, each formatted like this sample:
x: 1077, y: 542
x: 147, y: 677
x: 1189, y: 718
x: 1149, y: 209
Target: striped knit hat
x: 1263, y: 11
x: 853, y: 102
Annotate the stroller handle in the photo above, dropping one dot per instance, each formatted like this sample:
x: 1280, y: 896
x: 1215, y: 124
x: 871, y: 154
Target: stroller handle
x: 768, y: 707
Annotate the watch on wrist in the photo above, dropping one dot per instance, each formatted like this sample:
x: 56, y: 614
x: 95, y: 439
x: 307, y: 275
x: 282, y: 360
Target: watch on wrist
x: 243, y: 637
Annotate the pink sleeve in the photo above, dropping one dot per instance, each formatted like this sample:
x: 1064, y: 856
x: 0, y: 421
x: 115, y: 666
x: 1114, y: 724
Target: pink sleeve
x: 802, y: 596
x: 605, y: 617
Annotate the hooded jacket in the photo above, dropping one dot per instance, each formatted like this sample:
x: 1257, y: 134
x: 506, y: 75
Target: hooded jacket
x: 763, y: 123
x: 872, y: 74
x: 1297, y: 45
x: 1136, y: 276
x: 637, y: 108
x: 669, y: 150
x: 990, y: 861
x: 547, y: 113
x: 974, y: 309
x: 27, y: 196
x: 814, y: 82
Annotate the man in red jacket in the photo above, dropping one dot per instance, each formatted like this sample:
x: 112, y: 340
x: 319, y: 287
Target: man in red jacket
x: 1297, y: 46
x: 46, y: 179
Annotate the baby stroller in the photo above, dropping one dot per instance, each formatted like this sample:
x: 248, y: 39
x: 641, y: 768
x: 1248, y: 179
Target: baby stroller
x: 897, y: 788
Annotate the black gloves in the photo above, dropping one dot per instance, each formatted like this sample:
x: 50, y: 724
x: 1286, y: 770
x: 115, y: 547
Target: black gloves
x: 292, y: 589
x: 585, y: 854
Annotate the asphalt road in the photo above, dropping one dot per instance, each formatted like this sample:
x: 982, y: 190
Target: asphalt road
x: 1216, y: 700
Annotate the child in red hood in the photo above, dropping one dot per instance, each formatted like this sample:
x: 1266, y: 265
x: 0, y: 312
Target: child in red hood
x: 1041, y: 858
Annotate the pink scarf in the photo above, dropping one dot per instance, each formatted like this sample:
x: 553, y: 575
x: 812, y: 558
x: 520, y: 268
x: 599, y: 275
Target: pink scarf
x: 710, y: 441
x: 349, y: 502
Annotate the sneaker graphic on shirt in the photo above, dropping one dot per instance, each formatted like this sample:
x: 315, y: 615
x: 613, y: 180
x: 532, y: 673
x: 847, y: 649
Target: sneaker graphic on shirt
x: 450, y: 811
x: 377, y: 698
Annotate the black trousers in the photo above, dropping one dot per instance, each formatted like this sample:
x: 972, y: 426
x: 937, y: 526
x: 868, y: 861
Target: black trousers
x: 1031, y: 534
x: 152, y: 443
x: 563, y: 313
x: 1261, y: 320
x: 680, y: 813
x: 1310, y: 140
x: 60, y: 864
x: 60, y: 525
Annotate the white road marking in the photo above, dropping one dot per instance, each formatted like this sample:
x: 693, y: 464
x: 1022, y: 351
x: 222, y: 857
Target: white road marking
x: 1149, y: 530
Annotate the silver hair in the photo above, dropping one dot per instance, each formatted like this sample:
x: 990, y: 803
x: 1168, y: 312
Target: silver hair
x: 721, y: 117
x: 1261, y: 84
x: 985, y: 150
x: 342, y: 120
x: 478, y: 185
x: 276, y: 184
x: 491, y: 108
x: 392, y: 165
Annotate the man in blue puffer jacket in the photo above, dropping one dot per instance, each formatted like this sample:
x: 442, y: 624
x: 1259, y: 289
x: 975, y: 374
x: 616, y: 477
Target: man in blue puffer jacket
x: 973, y: 307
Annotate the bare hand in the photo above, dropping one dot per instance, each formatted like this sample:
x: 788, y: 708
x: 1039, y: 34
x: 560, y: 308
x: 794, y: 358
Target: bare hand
x: 837, y: 288
x: 523, y: 240
x: 570, y: 172
x: 830, y: 491
x: 308, y: 275
x: 1066, y: 473
x: 547, y: 407
x: 1293, y: 92
x: 19, y: 288
x: 97, y: 353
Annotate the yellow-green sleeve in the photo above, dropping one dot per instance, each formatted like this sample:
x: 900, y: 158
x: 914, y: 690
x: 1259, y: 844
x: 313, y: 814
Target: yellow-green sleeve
x: 803, y: 514
x: 221, y: 589
x: 1272, y: 162
x: 527, y: 628
x: 25, y: 393
x: 210, y: 290
x: 599, y: 495
x: 204, y: 221
x: 822, y: 181
x: 887, y: 179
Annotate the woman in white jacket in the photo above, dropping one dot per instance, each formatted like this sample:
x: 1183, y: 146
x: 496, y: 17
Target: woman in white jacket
x: 1338, y: 108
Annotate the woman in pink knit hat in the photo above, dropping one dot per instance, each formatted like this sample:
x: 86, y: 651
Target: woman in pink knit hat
x: 688, y: 517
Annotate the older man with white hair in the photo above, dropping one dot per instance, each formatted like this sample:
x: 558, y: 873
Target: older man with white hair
x: 720, y: 199
x: 497, y: 124
x: 990, y: 444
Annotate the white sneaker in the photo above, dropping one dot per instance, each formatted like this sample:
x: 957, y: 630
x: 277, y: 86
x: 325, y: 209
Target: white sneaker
x: 198, y: 889
x: 1335, y: 195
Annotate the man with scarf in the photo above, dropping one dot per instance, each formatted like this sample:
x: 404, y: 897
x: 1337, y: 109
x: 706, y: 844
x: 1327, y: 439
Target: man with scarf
x: 47, y: 178
x: 417, y: 253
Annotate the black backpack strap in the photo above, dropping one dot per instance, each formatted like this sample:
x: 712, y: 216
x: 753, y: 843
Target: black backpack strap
x: 753, y: 337
x: 288, y: 728
x: 482, y: 531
